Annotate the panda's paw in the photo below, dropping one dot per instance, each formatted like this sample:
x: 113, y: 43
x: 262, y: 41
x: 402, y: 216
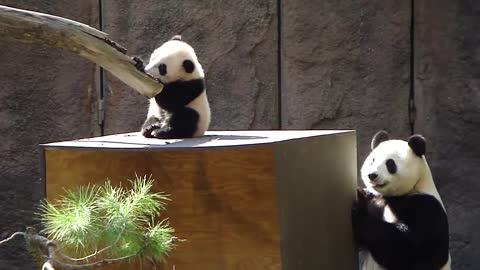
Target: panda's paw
x: 139, y: 63
x: 148, y: 130
x: 355, y: 211
x: 364, y: 196
x: 359, y: 208
x: 362, y: 199
x: 365, y: 193
x: 357, y: 216
x: 163, y: 133
x: 361, y: 193
x: 357, y: 231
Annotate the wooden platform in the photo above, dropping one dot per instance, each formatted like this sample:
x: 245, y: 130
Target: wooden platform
x: 242, y: 199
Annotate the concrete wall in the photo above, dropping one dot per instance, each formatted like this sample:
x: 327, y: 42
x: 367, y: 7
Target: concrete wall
x: 294, y: 65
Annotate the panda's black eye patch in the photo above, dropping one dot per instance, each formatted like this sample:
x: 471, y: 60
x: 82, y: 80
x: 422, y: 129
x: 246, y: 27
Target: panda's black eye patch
x: 391, y: 166
x: 162, y: 68
x: 188, y: 66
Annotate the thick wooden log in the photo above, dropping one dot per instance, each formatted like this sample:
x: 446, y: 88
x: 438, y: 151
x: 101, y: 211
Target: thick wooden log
x: 83, y: 40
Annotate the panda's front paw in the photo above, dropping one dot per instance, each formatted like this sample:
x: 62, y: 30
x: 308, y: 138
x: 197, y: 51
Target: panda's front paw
x: 164, y: 133
x: 148, y: 130
x: 139, y: 64
x: 362, y: 198
x: 355, y: 211
x: 364, y: 194
x: 358, y: 211
x: 360, y: 206
x: 358, y: 216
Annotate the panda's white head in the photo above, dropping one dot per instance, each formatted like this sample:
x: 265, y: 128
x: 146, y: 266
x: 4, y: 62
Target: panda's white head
x: 174, y: 61
x: 394, y: 167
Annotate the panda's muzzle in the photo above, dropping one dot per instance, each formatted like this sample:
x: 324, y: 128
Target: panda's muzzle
x: 379, y: 185
x: 375, y: 180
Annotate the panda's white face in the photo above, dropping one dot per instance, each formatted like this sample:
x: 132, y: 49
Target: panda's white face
x: 392, y: 169
x: 175, y: 60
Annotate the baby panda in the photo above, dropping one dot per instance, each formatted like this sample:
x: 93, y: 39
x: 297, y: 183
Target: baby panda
x: 399, y: 220
x: 181, y: 109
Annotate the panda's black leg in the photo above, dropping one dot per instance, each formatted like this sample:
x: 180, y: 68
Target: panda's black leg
x: 152, y: 123
x: 182, y: 124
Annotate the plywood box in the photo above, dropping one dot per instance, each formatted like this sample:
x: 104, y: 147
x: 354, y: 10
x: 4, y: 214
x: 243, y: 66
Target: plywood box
x: 242, y: 199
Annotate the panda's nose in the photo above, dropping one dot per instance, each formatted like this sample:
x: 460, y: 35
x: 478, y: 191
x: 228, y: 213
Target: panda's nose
x: 372, y: 176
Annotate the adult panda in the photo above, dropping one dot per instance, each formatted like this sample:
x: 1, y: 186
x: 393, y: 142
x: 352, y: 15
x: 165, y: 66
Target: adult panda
x: 181, y: 109
x: 399, y: 220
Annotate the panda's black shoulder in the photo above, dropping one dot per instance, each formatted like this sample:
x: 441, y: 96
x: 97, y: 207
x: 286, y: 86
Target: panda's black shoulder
x: 418, y: 201
x: 415, y: 201
x: 420, y: 208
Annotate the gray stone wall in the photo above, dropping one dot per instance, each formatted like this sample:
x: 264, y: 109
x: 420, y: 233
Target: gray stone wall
x: 345, y: 65
x: 447, y: 97
x: 45, y: 95
x: 236, y: 45
x: 301, y: 65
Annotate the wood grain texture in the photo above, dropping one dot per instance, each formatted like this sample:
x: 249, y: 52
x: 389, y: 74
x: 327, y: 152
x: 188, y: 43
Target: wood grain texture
x: 223, y: 200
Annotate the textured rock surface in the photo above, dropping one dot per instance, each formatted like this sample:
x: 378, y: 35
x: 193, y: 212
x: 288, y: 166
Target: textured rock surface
x: 45, y: 95
x: 345, y: 65
x: 447, y: 84
x: 236, y: 42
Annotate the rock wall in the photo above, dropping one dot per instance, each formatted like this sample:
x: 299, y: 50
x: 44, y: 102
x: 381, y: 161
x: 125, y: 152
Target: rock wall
x: 345, y: 65
x: 447, y: 98
x: 46, y: 95
x: 236, y: 45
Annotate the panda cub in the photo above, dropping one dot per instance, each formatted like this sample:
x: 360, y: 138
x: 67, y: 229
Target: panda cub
x: 181, y: 109
x: 399, y: 220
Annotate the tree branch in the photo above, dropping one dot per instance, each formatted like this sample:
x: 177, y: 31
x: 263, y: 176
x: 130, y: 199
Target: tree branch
x: 66, y: 266
x: 96, y: 253
x: 81, y: 39
x: 11, y: 237
x: 47, y: 247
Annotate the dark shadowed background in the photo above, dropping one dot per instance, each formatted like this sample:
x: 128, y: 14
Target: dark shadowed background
x: 404, y: 66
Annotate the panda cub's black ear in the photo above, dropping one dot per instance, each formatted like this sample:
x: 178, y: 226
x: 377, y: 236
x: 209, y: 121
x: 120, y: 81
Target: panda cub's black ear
x: 176, y: 37
x: 418, y: 144
x: 378, y: 138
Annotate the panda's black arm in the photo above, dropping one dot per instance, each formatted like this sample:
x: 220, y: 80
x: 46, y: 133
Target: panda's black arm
x: 388, y: 243
x: 177, y: 95
x: 419, y: 243
x: 429, y: 230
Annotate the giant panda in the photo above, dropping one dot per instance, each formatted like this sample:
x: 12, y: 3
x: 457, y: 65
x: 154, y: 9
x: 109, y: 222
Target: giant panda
x: 399, y: 220
x: 181, y: 109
